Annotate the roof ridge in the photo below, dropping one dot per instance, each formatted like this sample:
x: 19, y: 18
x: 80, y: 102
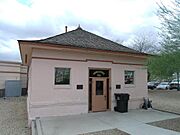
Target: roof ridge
x: 110, y: 40
x: 56, y: 35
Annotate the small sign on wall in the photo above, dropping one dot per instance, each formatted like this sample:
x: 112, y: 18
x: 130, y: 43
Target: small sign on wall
x: 118, y: 86
x: 79, y: 87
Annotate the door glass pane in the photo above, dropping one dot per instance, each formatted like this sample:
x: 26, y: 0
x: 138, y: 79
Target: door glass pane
x: 99, y: 87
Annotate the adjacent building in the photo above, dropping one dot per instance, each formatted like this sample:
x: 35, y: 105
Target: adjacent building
x: 12, y: 71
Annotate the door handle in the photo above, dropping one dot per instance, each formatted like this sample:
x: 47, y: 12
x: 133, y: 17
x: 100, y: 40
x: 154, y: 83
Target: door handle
x: 105, y: 97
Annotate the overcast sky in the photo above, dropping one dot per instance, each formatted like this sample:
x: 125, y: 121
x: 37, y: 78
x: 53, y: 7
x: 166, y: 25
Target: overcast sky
x: 36, y: 19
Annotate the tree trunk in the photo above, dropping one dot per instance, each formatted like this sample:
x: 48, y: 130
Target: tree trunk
x: 148, y: 76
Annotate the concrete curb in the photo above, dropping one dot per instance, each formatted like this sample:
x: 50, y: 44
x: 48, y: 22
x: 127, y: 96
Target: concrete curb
x: 38, y: 126
x: 166, y: 111
x: 34, y: 128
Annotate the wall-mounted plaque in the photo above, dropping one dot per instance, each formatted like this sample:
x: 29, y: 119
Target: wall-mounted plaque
x: 118, y: 86
x: 79, y: 87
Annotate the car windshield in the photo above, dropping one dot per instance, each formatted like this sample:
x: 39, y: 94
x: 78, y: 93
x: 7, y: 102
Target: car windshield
x: 164, y: 83
x: 175, y: 80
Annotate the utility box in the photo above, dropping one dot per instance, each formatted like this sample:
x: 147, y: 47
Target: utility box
x: 13, y: 88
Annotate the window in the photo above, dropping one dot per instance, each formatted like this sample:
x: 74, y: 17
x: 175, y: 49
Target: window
x: 99, y: 87
x: 62, y: 76
x: 129, y: 77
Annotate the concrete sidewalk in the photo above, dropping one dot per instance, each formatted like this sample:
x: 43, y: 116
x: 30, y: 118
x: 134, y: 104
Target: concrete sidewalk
x: 133, y: 122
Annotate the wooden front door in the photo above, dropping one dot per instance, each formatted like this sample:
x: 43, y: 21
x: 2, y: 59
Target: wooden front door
x: 99, y: 94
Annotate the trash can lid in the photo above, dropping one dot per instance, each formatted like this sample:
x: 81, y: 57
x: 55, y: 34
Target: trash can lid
x: 121, y: 94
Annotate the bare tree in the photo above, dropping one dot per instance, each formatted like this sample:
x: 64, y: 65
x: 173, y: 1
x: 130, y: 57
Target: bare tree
x: 170, y: 25
x: 145, y: 42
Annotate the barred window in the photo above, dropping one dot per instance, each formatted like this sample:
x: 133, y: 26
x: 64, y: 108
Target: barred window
x: 62, y: 76
x: 129, y: 77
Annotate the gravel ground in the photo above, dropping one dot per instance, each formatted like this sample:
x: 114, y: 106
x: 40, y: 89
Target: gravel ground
x: 13, y: 116
x: 107, y: 132
x: 166, y: 100
x: 171, y: 124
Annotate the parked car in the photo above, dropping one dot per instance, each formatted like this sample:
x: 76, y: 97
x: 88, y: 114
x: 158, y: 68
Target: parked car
x: 151, y: 85
x: 173, y: 84
x: 163, y: 85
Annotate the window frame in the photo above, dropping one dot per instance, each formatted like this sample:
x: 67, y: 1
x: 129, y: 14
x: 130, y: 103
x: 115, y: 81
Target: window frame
x: 129, y: 84
x: 58, y: 84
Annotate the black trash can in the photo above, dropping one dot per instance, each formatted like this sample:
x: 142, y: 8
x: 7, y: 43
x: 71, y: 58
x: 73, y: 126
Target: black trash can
x: 122, y: 102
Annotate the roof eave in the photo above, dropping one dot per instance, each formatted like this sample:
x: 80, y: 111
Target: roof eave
x: 20, y: 49
x: 82, y: 48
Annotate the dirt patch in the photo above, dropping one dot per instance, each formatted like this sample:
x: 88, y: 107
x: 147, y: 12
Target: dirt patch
x: 166, y: 100
x: 108, y: 132
x: 171, y: 124
x: 13, y: 116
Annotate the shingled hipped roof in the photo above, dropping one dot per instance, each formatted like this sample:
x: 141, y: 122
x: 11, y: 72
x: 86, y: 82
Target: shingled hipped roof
x: 84, y: 39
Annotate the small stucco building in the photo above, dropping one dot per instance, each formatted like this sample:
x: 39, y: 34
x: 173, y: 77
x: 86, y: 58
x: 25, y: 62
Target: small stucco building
x: 79, y: 72
x: 11, y: 70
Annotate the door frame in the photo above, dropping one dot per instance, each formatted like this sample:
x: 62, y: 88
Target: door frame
x: 108, y: 88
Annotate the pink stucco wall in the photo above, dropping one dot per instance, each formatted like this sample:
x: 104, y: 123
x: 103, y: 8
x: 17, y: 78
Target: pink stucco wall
x: 46, y: 99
